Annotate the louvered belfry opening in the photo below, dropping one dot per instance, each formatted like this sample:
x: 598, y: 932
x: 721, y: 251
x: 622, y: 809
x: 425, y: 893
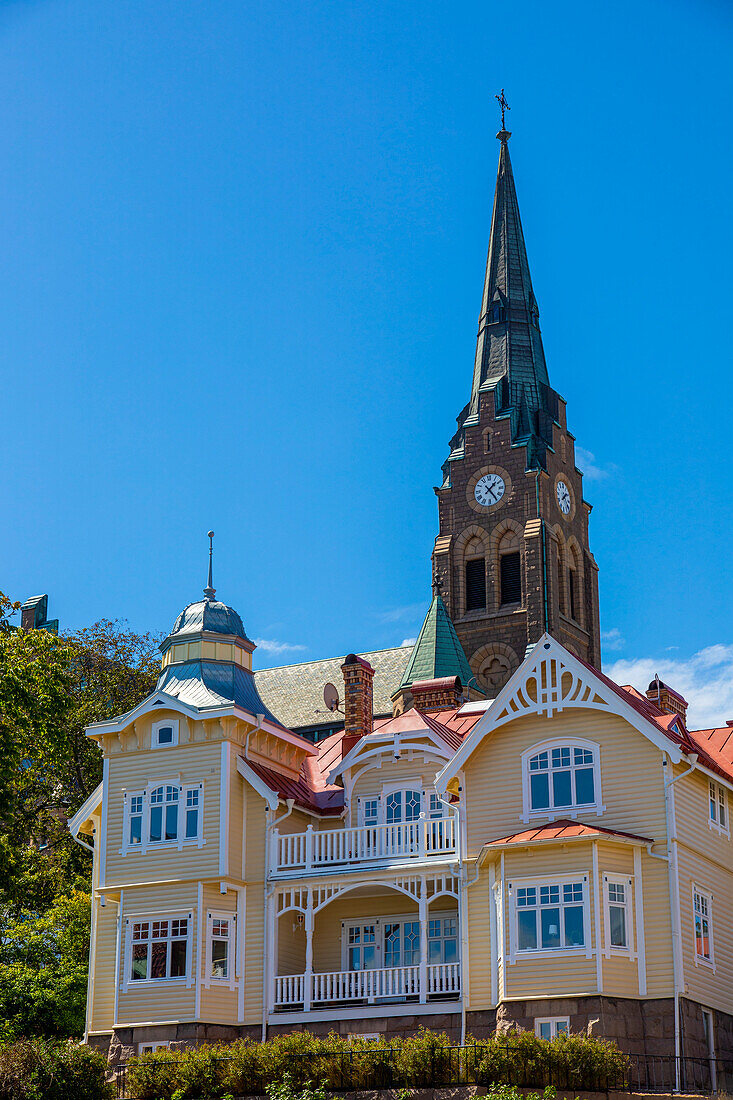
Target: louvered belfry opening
x: 511, y: 578
x: 572, y: 593
x: 476, y: 584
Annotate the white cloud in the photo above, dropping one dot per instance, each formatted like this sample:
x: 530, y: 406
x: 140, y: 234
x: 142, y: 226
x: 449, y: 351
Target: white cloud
x: 409, y: 612
x: 705, y: 680
x: 407, y: 642
x: 612, y: 640
x: 594, y: 471
x: 270, y: 646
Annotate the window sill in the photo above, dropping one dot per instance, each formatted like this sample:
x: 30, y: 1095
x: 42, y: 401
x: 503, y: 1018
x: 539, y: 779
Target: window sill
x: 549, y: 953
x: 719, y: 829
x: 565, y: 811
x: 699, y: 961
x: 161, y: 846
x: 134, y: 983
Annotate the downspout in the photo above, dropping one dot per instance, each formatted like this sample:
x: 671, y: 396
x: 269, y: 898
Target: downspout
x: 269, y: 963
x: 259, y: 719
x: 674, y: 900
x: 544, y: 543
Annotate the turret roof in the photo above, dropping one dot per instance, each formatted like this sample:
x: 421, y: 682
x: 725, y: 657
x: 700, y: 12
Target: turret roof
x: 437, y: 651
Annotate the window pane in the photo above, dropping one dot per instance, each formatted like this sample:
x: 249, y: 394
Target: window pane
x: 394, y: 807
x: 550, y: 921
x: 434, y: 951
x: 450, y: 951
x: 561, y: 1028
x: 527, y: 929
x: 165, y: 735
x: 540, y: 790
x: 561, y: 789
x: 546, y: 1029
x: 617, y: 918
x: 370, y: 956
x: 192, y: 823
x: 156, y: 823
x: 158, y: 959
x: 136, y: 830
x: 219, y: 961
x: 139, y: 961
x: 584, y: 787
x: 355, y: 958
x: 178, y: 959
x: 574, y: 926
x: 171, y: 822
x: 412, y: 805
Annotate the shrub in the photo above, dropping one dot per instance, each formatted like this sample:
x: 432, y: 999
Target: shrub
x: 38, y: 1069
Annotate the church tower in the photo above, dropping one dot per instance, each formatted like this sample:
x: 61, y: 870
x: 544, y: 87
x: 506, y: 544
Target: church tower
x: 512, y: 557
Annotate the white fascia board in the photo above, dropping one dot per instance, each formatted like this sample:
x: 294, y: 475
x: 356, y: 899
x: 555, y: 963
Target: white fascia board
x: 384, y: 746
x: 548, y: 647
x: 157, y: 701
x: 85, y: 811
x: 276, y: 730
x: 271, y: 797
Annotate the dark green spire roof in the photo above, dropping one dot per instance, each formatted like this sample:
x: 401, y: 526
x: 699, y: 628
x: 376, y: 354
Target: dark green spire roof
x: 437, y: 651
x: 510, y: 358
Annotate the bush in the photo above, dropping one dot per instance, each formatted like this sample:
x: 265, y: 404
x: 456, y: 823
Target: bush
x: 513, y: 1059
x: 38, y: 1069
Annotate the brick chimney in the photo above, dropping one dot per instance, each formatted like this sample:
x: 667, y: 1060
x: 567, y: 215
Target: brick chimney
x: 668, y: 700
x: 445, y: 693
x: 358, y: 700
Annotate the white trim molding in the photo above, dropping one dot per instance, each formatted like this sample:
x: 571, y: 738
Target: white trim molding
x: 551, y: 748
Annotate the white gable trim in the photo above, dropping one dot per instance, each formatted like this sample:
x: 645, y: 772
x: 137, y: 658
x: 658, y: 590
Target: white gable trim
x: 560, y: 682
x: 85, y: 811
x: 271, y: 797
x: 383, y: 744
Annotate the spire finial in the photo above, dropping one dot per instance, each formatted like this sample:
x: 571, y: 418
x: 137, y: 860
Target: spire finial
x: 438, y: 584
x: 503, y: 134
x: 210, y: 591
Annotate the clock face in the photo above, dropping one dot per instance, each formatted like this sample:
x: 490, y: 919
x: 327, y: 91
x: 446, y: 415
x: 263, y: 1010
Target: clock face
x: 563, y: 497
x: 489, y: 490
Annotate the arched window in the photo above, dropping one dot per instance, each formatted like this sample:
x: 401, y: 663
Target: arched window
x: 573, y: 585
x: 560, y: 592
x: 561, y: 777
x: 475, y: 584
x: 510, y: 569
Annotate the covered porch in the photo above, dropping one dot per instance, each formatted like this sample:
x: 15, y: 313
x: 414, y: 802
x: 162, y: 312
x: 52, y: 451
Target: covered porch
x: 381, y: 943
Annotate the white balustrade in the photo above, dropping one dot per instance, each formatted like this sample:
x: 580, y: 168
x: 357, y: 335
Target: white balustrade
x: 317, y: 849
x: 370, y: 986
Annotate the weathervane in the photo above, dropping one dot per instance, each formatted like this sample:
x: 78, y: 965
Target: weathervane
x: 210, y: 591
x: 501, y: 100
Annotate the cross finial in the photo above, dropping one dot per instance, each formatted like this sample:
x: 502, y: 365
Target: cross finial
x: 210, y: 591
x: 437, y: 584
x: 503, y: 134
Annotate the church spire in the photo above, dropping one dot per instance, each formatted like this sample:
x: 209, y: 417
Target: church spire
x: 510, y: 359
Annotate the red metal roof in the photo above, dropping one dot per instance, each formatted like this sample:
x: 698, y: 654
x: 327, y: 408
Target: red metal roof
x: 563, y: 829
x: 328, y: 800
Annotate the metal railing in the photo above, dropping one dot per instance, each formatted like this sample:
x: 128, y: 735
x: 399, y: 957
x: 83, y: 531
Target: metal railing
x: 386, y: 1067
x: 341, y: 848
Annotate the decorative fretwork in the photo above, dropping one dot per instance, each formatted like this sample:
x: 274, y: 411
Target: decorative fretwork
x: 549, y: 687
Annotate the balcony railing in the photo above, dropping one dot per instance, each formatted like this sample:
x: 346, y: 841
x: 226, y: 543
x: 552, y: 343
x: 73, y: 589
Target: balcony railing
x: 394, y: 983
x: 342, y: 848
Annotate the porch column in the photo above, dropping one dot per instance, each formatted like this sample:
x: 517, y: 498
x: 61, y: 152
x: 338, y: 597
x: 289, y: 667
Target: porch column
x: 272, y: 936
x: 423, y: 918
x: 308, y: 975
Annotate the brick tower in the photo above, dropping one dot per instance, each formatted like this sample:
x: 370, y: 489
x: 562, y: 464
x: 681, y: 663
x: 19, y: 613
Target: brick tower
x: 512, y: 555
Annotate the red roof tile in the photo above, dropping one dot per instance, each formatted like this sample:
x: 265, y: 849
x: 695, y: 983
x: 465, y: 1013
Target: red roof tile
x: 561, y: 830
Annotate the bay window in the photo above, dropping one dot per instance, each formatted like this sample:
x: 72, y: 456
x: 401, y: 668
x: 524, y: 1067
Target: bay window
x: 551, y: 916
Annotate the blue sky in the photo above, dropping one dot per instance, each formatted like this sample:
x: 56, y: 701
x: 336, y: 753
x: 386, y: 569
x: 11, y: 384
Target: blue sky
x: 243, y: 249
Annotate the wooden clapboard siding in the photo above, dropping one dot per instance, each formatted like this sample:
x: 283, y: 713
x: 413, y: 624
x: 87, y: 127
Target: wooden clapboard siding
x: 101, y: 1011
x: 714, y: 987
x: 255, y: 809
x: 386, y: 770
x: 218, y: 1002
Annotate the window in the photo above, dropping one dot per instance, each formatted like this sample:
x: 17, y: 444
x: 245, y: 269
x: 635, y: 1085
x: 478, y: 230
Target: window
x: 562, y: 777
x: 511, y: 577
x: 550, y: 917
x: 165, y: 814
x: 369, y: 811
x: 560, y: 594
x: 443, y: 940
x: 150, y: 1048
x: 221, y: 940
x: 573, y: 594
x: 158, y: 949
x: 403, y: 806
x: 164, y: 734
x: 719, y: 808
x: 617, y: 902
x: 702, y: 910
x: 475, y: 584
x: 362, y: 947
x: 549, y: 1027
x: 401, y: 943
x: 437, y: 809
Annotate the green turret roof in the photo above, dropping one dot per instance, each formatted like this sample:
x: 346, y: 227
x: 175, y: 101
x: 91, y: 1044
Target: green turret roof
x: 437, y: 651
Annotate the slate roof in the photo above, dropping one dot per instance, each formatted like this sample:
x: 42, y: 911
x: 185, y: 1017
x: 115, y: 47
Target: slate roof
x: 510, y: 358
x: 295, y: 692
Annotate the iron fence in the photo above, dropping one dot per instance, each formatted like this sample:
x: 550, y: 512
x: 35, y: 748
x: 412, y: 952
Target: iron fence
x: 387, y: 1068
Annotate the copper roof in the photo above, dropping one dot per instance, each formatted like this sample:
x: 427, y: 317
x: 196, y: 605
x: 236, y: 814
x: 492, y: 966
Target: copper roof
x: 561, y: 830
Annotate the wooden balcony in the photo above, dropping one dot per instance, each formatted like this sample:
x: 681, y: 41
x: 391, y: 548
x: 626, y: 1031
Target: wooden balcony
x: 440, y: 982
x: 367, y: 845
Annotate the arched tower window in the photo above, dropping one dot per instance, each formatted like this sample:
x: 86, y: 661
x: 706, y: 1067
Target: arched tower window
x: 475, y: 584
x: 573, y: 576
x: 510, y: 569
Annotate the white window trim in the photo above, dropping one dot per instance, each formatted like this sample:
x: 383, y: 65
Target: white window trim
x: 700, y: 960
x: 182, y: 841
x: 229, y: 982
x: 381, y: 799
x: 627, y: 952
x: 145, y: 983
x: 586, y: 951
x: 163, y: 724
x: 714, y: 824
x: 390, y: 918
x: 554, y: 1021
x: 551, y: 814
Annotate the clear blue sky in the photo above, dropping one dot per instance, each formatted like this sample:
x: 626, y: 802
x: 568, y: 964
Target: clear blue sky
x: 243, y: 246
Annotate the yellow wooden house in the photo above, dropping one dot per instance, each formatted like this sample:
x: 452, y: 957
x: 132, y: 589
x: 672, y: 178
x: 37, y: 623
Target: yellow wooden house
x: 556, y: 858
